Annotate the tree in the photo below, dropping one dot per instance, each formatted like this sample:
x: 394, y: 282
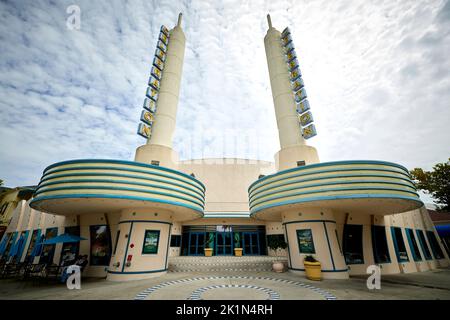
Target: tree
x: 435, y: 182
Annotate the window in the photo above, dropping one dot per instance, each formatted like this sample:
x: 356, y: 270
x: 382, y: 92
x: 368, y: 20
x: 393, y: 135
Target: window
x: 413, y: 245
x: 380, y: 245
x: 423, y: 244
x: 399, y: 244
x: 154, y: 163
x: 305, y: 241
x: 48, y: 250
x: 175, y: 240
x: 437, y: 252
x: 100, y: 245
x: 353, y: 244
x: 70, y: 250
x: 34, y: 237
x: 301, y: 163
x: 117, y: 241
x: 151, y: 242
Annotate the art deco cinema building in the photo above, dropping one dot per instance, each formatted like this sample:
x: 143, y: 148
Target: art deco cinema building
x: 137, y: 215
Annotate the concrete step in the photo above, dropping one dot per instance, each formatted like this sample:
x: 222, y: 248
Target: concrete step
x: 222, y: 263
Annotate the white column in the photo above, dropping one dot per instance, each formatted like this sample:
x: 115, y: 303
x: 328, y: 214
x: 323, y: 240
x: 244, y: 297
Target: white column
x: 166, y: 113
x: 293, y: 145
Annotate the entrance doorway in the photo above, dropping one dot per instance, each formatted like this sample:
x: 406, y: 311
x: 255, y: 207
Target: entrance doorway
x: 196, y: 243
x: 224, y: 243
x: 251, y: 243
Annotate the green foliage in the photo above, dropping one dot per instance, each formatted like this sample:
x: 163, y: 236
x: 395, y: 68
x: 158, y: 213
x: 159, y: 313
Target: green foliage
x: 435, y: 182
x: 310, y: 258
x: 1, y: 182
x: 276, y: 243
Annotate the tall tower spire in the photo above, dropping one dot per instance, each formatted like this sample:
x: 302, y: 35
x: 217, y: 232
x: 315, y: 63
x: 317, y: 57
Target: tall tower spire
x: 159, y: 148
x: 294, y: 150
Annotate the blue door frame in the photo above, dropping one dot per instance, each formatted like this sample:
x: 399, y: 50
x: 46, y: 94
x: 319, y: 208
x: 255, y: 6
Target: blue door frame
x: 225, y: 236
x: 251, y: 244
x: 193, y: 237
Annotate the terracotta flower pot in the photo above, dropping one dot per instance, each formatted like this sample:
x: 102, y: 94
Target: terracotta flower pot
x: 313, y: 270
x: 278, y: 266
x: 238, y: 252
x: 208, y: 252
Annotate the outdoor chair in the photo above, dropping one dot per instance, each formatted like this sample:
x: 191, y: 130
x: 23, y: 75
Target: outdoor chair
x: 53, y: 272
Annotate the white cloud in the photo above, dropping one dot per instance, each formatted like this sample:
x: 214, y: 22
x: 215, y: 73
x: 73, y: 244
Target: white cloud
x: 376, y: 74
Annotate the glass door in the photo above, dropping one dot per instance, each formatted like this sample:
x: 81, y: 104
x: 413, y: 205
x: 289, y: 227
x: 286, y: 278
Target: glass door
x: 224, y: 243
x: 251, y: 243
x: 196, y: 243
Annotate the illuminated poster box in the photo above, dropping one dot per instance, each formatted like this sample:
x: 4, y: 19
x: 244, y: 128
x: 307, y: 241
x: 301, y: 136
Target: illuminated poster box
x: 144, y: 130
x: 160, y: 54
x: 303, y: 106
x: 156, y: 73
x: 289, y: 47
x: 297, y: 84
x: 293, y: 64
x: 306, y: 119
x: 285, y: 32
x: 165, y: 30
x: 149, y: 105
x: 161, y: 45
x: 157, y: 62
x: 152, y: 94
x: 154, y: 83
x: 300, y: 95
x: 309, y: 131
x: 290, y: 56
x: 147, y: 117
x: 163, y: 38
x: 295, y: 74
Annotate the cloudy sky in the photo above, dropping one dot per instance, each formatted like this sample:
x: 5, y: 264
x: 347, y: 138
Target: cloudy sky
x: 376, y: 72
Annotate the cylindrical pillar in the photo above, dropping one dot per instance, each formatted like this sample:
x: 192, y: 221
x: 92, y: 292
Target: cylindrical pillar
x: 165, y: 119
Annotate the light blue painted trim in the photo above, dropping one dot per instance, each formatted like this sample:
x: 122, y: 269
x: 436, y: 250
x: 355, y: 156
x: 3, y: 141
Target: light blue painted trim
x: 137, y: 272
x: 166, y: 264
x: 329, y: 246
x: 126, y: 248
x: 308, y: 221
x: 124, y: 182
x: 334, y: 163
x: 206, y: 216
x: 253, y: 204
x: 335, y: 176
x: 50, y: 175
x: 132, y: 163
x: 300, y: 269
x: 281, y: 176
x: 411, y: 245
x: 358, y: 196
x: 103, y: 196
x: 260, y: 194
x: 288, y: 246
x: 144, y: 221
x: 394, y: 239
x: 121, y: 189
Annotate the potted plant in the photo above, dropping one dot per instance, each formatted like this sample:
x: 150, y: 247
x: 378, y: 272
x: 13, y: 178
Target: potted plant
x: 209, y: 245
x: 237, y: 245
x: 276, y: 244
x: 313, y: 268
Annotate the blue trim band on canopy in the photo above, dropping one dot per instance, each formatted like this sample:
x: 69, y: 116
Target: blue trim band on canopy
x: 145, y: 221
x: 140, y: 164
x: 268, y: 186
x: 46, y: 184
x: 337, y: 197
x: 123, y: 189
x: 75, y: 196
x: 260, y: 194
x: 253, y: 204
x: 281, y: 177
x: 50, y: 175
